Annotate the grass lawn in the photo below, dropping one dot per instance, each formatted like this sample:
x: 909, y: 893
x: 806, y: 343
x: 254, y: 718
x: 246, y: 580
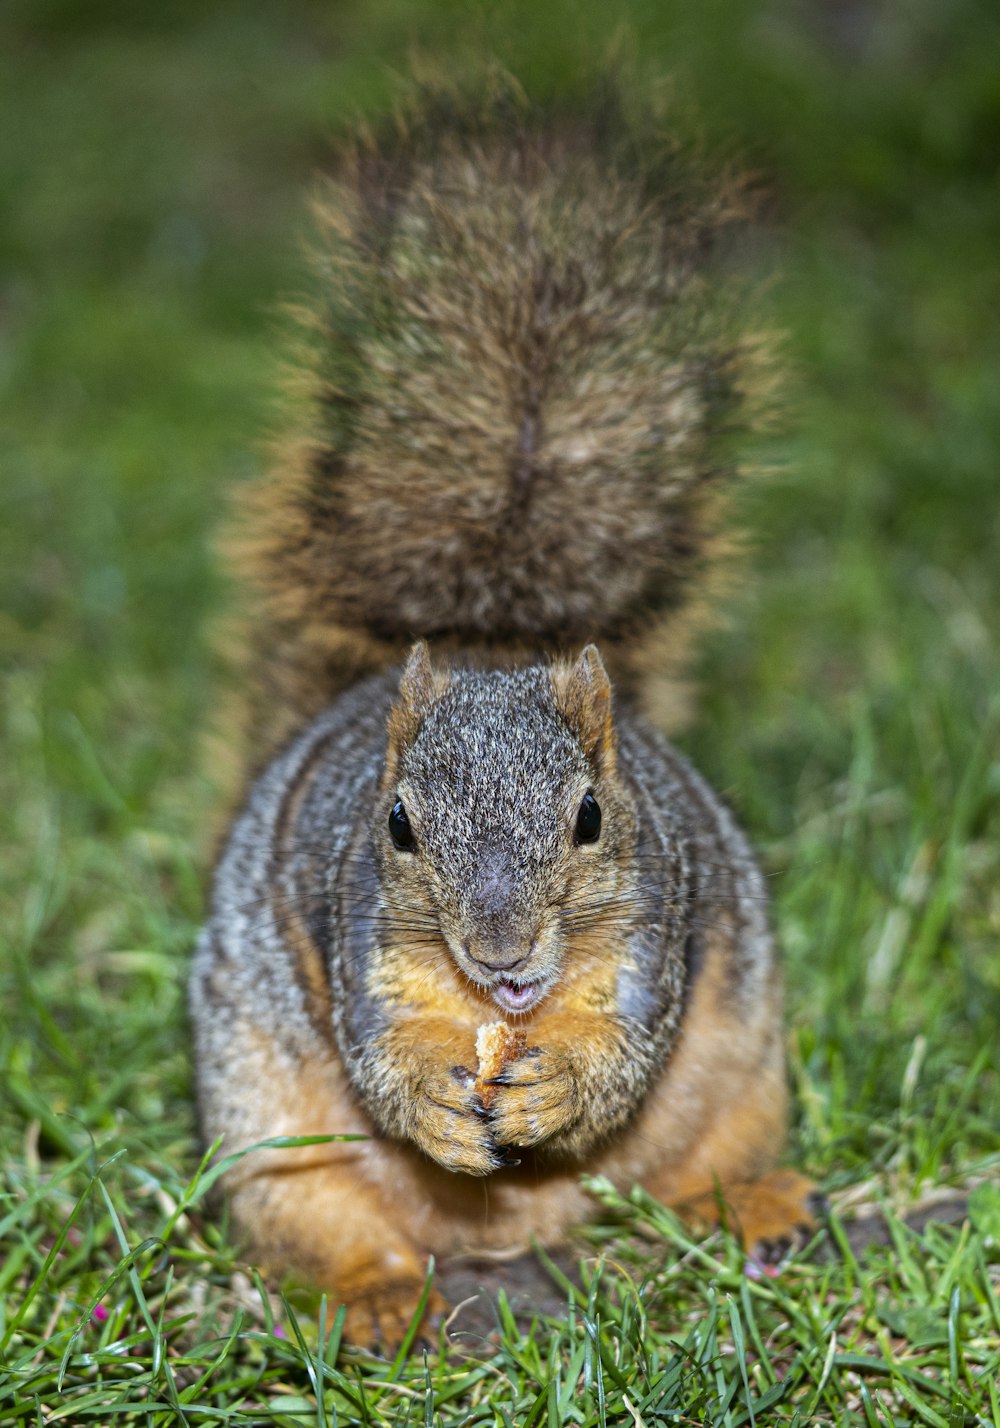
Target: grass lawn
x: 154, y: 162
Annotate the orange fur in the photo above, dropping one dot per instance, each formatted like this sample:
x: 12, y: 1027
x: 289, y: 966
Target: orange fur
x: 359, y: 1218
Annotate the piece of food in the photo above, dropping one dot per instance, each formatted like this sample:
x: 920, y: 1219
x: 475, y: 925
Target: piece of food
x: 497, y: 1045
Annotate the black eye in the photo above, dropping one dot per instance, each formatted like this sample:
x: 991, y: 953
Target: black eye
x: 588, y: 820
x: 399, y: 829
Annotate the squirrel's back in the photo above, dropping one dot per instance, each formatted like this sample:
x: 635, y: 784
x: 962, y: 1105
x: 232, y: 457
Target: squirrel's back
x: 509, y: 401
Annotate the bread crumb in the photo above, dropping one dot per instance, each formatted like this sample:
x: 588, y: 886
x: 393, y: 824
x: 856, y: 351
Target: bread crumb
x: 497, y: 1045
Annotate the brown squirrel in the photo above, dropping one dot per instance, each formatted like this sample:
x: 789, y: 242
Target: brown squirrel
x: 507, y: 445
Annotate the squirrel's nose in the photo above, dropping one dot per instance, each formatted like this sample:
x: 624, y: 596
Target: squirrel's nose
x: 511, y: 966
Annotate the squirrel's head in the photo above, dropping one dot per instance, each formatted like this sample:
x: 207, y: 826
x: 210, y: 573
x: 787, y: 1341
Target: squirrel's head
x: 503, y: 823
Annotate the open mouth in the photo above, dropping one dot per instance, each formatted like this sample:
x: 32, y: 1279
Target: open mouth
x: 516, y: 996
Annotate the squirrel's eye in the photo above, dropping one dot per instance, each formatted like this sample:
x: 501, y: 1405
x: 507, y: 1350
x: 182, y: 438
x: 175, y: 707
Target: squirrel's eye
x: 588, y: 820
x: 399, y: 828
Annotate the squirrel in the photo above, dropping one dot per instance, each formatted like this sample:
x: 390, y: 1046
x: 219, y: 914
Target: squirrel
x: 508, y: 444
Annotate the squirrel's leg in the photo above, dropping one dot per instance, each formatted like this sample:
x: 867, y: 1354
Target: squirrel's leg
x: 728, y: 1174
x: 322, y: 1220
x: 315, y: 1210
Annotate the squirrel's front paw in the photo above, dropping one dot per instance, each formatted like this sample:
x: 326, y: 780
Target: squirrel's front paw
x: 536, y: 1098
x: 450, y: 1124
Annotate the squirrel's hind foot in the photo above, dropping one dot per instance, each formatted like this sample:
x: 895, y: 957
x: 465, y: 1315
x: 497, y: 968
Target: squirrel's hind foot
x: 770, y: 1216
x: 380, y: 1315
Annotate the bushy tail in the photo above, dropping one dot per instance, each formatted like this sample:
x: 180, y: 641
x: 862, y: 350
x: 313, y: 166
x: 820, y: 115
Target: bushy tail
x: 525, y: 347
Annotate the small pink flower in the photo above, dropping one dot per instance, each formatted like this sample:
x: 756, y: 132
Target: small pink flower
x: 755, y: 1269
x: 100, y: 1314
x: 279, y: 1332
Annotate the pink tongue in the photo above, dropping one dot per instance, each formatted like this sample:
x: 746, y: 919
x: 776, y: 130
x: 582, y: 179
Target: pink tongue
x: 518, y: 995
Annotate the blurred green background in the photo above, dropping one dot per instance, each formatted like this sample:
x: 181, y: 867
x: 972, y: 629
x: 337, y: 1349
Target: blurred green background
x: 155, y: 162
x: 155, y: 170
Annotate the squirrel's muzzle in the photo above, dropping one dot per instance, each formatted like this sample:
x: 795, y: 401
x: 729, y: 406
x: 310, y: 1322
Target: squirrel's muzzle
x: 499, y: 932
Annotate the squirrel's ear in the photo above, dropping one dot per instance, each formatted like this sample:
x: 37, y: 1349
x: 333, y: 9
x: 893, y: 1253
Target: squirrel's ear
x: 419, y: 687
x: 583, y: 697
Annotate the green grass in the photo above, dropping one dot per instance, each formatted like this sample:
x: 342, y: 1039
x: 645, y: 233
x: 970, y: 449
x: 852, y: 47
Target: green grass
x: 153, y: 167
